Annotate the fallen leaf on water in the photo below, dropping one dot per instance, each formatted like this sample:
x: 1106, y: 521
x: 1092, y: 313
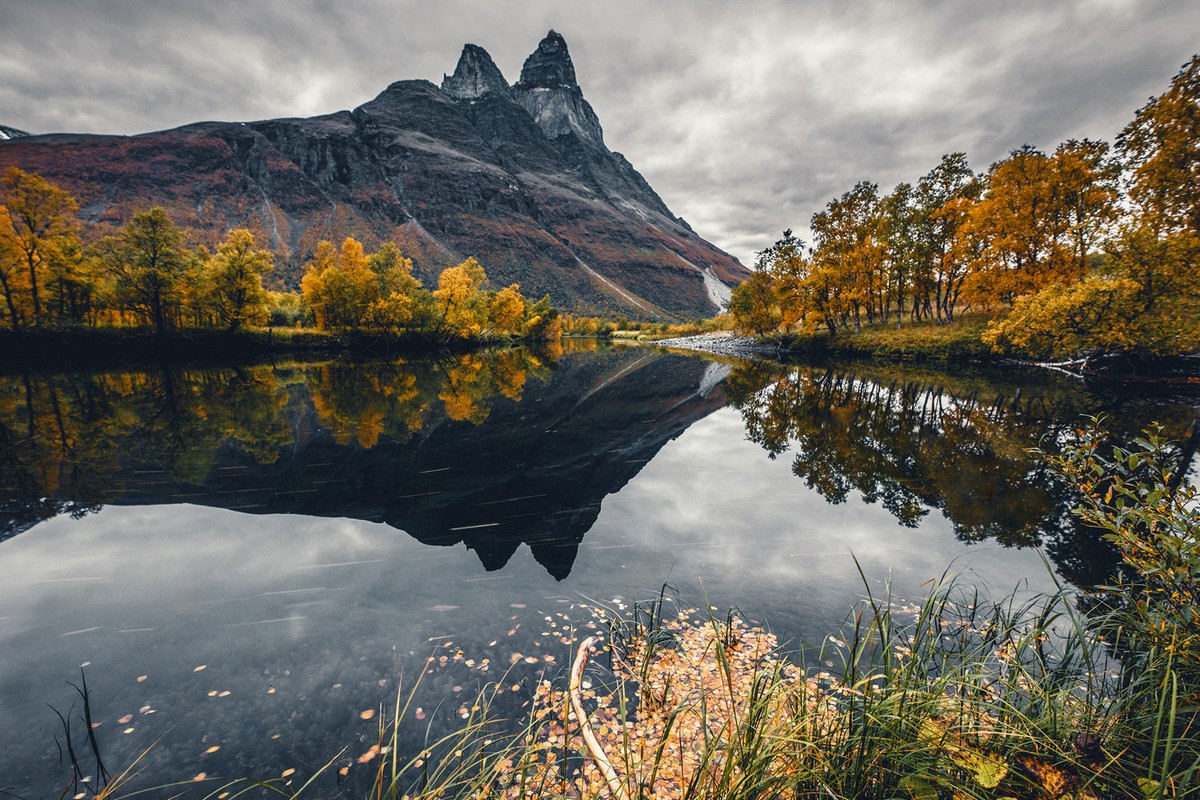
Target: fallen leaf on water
x: 287, y: 772
x: 201, y: 667
x: 200, y: 776
x: 368, y: 714
x: 271, y: 690
x: 371, y: 753
x: 212, y: 749
x: 125, y: 720
x: 127, y: 730
x: 344, y: 771
x: 224, y: 693
x: 213, y: 693
x: 420, y: 713
x: 142, y: 678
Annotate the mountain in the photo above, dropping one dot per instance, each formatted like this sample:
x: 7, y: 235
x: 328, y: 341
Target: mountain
x: 10, y: 133
x: 518, y: 176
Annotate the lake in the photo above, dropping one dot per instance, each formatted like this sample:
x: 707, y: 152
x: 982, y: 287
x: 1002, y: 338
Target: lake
x: 251, y: 561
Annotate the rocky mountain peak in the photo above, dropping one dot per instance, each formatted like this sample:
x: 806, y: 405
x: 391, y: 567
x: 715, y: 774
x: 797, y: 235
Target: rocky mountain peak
x: 475, y: 76
x: 548, y: 91
x: 11, y: 133
x: 549, y: 67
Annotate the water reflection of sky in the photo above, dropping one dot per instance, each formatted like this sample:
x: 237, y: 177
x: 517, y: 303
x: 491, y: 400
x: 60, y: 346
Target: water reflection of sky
x: 301, y: 623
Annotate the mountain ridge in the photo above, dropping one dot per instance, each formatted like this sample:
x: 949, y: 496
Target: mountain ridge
x: 516, y: 175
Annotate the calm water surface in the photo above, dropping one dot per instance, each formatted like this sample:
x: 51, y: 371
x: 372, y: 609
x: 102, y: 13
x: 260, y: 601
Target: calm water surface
x: 250, y: 558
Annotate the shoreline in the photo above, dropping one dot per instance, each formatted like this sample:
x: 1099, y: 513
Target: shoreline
x: 1174, y: 373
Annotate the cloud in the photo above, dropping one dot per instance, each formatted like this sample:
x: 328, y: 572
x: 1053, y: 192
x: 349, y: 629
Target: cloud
x: 746, y: 118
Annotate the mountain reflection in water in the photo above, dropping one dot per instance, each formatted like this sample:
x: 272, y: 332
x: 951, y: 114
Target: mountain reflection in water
x: 488, y: 450
x: 482, y: 449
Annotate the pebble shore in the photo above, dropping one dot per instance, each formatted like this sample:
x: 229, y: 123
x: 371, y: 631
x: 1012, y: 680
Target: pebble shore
x: 724, y: 343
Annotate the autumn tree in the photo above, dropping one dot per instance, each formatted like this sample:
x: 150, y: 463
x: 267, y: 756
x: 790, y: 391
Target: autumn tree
x: 507, y: 309
x: 74, y: 284
x: 395, y: 293
x: 14, y: 278
x: 1021, y: 226
x: 1160, y: 150
x: 233, y: 280
x: 900, y: 215
x: 461, y: 308
x: 848, y: 250
x: 1159, y: 245
x: 1085, y: 177
x: 944, y: 197
x: 755, y: 305
x: 37, y: 222
x: 147, y: 262
x: 543, y: 326
x: 338, y: 285
x: 788, y: 267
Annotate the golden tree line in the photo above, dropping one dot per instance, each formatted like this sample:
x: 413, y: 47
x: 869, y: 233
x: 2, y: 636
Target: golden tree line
x: 145, y: 275
x: 1090, y: 247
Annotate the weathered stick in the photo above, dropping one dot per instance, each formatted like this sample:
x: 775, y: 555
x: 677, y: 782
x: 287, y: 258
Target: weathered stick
x: 589, y: 738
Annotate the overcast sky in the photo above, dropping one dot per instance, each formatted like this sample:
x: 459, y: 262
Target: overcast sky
x: 746, y: 117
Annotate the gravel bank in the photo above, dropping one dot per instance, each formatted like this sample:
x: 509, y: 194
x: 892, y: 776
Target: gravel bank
x: 729, y: 344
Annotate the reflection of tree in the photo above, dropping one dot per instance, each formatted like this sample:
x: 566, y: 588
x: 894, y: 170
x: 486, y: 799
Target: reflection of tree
x: 69, y: 443
x: 394, y: 399
x: 913, y: 444
x: 68, y: 438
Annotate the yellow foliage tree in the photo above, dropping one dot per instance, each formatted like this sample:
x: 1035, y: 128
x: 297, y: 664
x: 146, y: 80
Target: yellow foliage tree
x: 461, y: 306
x: 1020, y: 226
x: 338, y: 285
x: 233, y: 280
x: 394, y: 300
x: 507, y: 309
x: 38, y: 219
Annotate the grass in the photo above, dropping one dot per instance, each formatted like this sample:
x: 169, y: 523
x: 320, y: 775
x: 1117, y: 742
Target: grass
x: 928, y: 340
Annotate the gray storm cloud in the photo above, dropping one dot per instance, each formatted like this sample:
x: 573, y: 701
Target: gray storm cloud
x: 746, y: 118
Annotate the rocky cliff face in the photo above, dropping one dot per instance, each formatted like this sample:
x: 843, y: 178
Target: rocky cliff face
x: 518, y: 176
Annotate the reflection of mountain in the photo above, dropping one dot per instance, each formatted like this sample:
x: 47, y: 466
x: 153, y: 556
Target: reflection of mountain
x: 914, y: 441
x: 370, y: 442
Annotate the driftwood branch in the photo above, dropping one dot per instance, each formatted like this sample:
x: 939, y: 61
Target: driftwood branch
x: 593, y: 745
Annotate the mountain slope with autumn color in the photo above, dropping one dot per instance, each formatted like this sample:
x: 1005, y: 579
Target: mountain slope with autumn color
x: 518, y: 176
